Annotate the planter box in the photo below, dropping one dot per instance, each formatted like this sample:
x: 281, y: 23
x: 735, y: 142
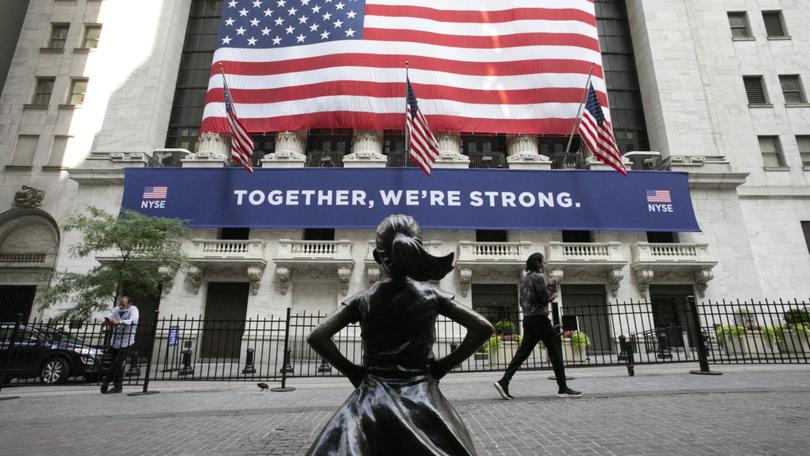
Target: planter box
x: 794, y: 342
x: 504, y: 353
x: 572, y: 354
x: 760, y: 345
x: 733, y: 345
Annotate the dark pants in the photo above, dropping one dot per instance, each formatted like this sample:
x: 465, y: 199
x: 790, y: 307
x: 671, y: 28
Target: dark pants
x: 116, y: 372
x: 538, y: 328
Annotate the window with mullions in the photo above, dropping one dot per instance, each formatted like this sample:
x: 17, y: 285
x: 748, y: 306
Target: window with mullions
x: 326, y: 147
x: 192, y: 77
x: 59, y: 33
x: 485, y: 151
x: 626, y: 109
x: 740, y: 29
x: 792, y: 89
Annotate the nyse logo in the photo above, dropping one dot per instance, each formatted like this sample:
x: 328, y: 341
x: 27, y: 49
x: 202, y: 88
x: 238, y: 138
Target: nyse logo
x: 659, y: 201
x: 154, y: 197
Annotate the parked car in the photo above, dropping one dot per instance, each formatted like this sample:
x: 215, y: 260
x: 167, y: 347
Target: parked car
x: 52, y: 355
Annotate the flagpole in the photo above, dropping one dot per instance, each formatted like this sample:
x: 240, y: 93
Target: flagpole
x: 405, y: 125
x: 579, y: 110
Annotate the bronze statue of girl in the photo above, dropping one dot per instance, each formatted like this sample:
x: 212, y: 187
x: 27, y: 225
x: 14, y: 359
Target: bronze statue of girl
x: 397, y: 408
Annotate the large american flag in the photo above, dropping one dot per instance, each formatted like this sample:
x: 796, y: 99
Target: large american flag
x: 422, y: 146
x: 597, y: 134
x: 241, y: 142
x: 505, y: 66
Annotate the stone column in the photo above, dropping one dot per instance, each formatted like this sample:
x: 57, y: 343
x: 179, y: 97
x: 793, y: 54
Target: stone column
x: 450, y: 155
x: 213, y: 150
x: 367, y: 150
x: 523, y: 152
x: 594, y: 164
x: 291, y: 147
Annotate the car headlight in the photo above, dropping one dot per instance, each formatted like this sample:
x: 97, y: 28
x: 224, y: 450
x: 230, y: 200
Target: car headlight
x: 87, y: 351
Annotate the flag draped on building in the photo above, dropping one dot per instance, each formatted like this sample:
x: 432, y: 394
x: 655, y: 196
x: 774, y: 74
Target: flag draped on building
x: 241, y: 142
x: 422, y: 146
x: 597, y: 134
x: 509, y: 66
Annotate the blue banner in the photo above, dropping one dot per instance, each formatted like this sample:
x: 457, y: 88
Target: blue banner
x: 467, y: 199
x: 173, y: 333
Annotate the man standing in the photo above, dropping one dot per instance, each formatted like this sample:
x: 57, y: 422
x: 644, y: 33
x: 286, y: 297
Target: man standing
x: 534, y: 298
x: 124, y: 322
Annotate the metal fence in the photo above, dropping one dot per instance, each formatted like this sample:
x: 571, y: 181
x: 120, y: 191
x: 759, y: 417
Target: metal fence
x: 275, y: 348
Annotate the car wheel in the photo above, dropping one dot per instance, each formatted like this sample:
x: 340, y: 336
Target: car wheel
x: 54, y: 370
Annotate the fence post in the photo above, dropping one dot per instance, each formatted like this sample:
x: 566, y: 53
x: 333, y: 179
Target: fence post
x: 17, y: 324
x: 701, y: 341
x: 249, y: 367
x: 626, y: 355
x: 134, y: 368
x: 555, y: 319
x: 284, y: 388
x: 149, y: 359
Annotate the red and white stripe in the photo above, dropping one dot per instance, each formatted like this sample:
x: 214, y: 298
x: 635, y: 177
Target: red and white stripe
x: 511, y: 66
x: 422, y: 146
x: 241, y: 142
x: 600, y: 141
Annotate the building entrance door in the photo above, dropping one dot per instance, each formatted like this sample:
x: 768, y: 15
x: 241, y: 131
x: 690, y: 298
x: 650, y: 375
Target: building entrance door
x: 225, y: 313
x: 588, y: 303
x: 16, y: 299
x: 670, y: 313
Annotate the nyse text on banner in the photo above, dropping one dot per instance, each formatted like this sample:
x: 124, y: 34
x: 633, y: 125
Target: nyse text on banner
x: 507, y: 66
x: 450, y: 199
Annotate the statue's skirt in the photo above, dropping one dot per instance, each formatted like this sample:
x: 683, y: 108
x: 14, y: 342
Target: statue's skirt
x: 395, y: 416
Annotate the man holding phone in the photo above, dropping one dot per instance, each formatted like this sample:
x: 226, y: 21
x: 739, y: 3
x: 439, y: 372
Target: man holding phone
x: 124, y: 322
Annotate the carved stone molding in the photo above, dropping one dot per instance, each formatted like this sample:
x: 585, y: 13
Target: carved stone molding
x: 166, y: 276
x: 374, y: 272
x: 254, y: 274
x: 555, y: 276
x: 615, y: 277
x: 643, y: 279
x: 284, y: 276
x: 194, y: 276
x: 450, y: 155
x: 29, y: 197
x: 367, y: 148
x: 291, y: 142
x: 344, y: 275
x: 465, y: 279
x: 701, y: 280
x: 212, y: 145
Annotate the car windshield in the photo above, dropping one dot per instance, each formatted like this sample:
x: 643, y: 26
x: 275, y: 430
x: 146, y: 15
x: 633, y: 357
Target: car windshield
x: 57, y: 335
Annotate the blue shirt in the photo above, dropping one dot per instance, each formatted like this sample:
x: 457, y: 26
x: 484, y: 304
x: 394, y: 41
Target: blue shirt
x: 124, y: 334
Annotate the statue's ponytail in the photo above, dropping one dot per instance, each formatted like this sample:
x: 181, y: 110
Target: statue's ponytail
x: 400, y: 251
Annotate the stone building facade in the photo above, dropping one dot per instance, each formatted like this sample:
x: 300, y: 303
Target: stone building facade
x: 97, y: 86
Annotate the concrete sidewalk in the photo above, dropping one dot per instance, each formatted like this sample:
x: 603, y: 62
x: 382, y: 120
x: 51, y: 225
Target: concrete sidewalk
x: 662, y: 410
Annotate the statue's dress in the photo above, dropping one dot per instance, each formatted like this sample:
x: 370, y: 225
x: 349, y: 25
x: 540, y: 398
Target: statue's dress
x: 398, y: 409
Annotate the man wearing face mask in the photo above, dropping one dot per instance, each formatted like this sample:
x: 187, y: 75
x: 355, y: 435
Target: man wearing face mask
x: 534, y: 299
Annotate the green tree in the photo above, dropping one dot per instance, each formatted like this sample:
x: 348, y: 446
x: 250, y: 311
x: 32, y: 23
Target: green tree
x: 136, y: 245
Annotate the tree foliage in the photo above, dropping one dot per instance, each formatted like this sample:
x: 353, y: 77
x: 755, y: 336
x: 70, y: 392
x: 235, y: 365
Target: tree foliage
x: 134, y: 247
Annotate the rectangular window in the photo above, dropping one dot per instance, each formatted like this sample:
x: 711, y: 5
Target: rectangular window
x: 59, y: 33
x: 91, y: 34
x: 755, y: 90
x: 804, y: 149
x: 577, y: 236
x: 238, y: 234
x: 806, y: 230
x: 771, y: 151
x: 24, y: 152
x: 739, y: 25
x: 774, y: 24
x: 58, y: 151
x: 792, y: 88
x: 78, y: 88
x: 42, y: 91
x: 319, y: 234
x: 491, y: 236
x: 662, y: 237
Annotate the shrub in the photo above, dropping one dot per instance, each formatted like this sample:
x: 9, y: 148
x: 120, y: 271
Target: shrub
x: 579, y: 339
x: 505, y: 327
x: 745, y: 318
x: 771, y: 332
x: 728, y: 331
x: 797, y: 317
x: 491, y: 344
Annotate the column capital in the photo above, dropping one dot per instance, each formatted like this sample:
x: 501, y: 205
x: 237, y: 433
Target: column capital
x: 290, y: 150
x: 367, y: 148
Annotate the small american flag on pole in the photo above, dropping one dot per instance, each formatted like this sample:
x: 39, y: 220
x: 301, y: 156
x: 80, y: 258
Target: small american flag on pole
x: 597, y: 133
x: 155, y: 192
x: 422, y: 146
x: 241, y: 142
x: 659, y: 196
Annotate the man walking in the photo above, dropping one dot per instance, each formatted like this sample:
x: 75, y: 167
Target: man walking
x: 534, y: 298
x: 124, y: 322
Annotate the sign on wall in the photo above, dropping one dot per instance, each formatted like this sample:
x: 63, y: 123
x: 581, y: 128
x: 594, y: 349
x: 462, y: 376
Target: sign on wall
x: 495, y: 199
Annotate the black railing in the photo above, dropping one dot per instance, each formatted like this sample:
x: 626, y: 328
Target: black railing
x: 190, y: 348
